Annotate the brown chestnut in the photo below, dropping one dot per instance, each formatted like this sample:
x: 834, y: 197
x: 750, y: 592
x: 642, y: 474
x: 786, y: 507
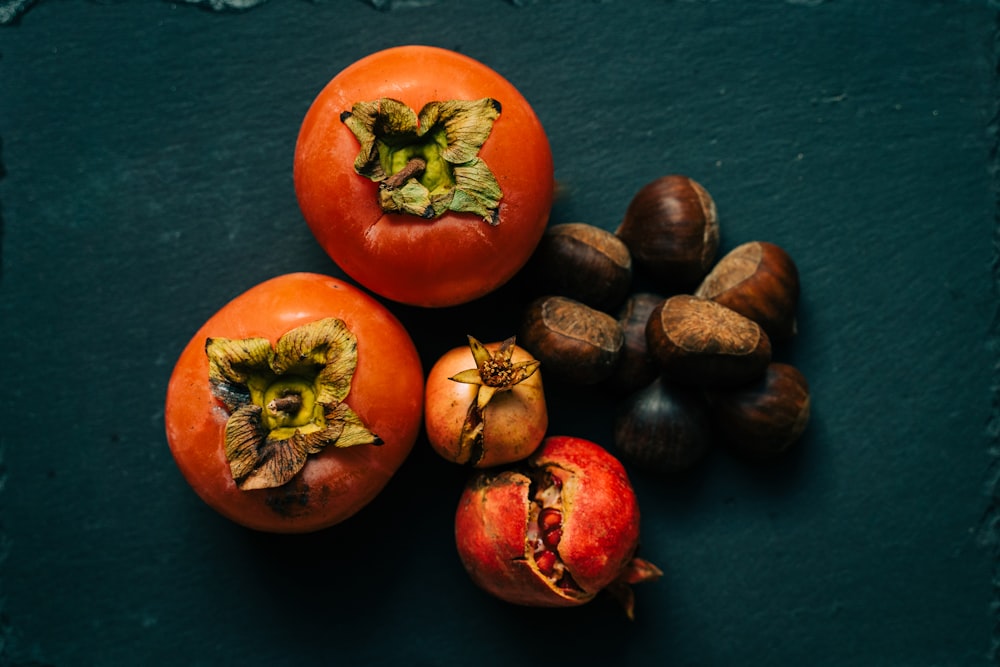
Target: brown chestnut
x: 765, y: 418
x: 671, y: 227
x: 636, y: 367
x: 571, y: 340
x: 663, y: 428
x: 583, y: 262
x: 700, y: 342
x: 759, y: 280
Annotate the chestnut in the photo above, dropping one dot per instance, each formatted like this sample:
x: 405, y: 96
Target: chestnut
x: 700, y: 342
x: 759, y: 280
x: 636, y: 367
x: 583, y: 262
x: 671, y: 227
x: 571, y: 340
x: 765, y: 418
x: 663, y: 428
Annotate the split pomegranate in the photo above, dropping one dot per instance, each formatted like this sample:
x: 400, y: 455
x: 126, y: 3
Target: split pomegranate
x: 554, y: 531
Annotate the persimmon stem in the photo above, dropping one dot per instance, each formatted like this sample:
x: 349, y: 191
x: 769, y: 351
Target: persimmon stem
x: 287, y: 404
x: 414, y: 167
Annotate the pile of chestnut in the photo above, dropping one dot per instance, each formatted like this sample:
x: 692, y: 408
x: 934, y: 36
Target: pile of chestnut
x: 690, y: 363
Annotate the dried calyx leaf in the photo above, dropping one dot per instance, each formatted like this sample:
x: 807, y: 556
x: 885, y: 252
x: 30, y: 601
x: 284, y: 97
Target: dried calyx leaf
x: 494, y: 372
x: 429, y: 163
x: 636, y: 571
x: 285, y: 402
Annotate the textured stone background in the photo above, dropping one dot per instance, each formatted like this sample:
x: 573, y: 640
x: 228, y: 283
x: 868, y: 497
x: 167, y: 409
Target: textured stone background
x: 147, y: 180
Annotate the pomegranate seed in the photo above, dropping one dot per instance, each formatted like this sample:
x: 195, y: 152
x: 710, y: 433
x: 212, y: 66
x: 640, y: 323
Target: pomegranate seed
x: 551, y: 537
x: 549, y: 518
x: 546, y: 562
x: 566, y: 583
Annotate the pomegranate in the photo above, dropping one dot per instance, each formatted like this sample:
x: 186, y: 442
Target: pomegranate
x: 484, y: 405
x: 554, y: 531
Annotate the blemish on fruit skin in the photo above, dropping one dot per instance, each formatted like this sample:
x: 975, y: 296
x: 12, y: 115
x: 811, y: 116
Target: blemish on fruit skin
x: 290, y: 502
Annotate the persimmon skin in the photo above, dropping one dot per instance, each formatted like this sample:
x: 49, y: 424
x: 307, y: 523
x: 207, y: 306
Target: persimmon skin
x: 386, y: 392
x: 515, y: 420
x: 448, y: 260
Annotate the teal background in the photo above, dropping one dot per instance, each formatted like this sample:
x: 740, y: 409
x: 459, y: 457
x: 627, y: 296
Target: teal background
x: 146, y: 154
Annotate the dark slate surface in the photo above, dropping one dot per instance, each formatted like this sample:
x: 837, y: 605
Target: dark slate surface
x: 147, y: 154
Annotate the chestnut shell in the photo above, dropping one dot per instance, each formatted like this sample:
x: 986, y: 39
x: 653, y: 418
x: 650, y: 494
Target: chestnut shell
x: 764, y: 419
x: 671, y: 227
x: 573, y: 341
x: 636, y: 368
x: 760, y: 281
x: 663, y: 428
x: 702, y: 343
x: 583, y: 262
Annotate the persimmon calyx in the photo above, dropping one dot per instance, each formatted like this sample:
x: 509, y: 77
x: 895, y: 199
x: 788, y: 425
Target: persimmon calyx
x: 285, y: 402
x: 495, y: 372
x: 427, y: 164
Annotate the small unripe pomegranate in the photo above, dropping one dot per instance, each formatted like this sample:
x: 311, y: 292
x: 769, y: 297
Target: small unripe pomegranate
x: 554, y: 531
x: 484, y: 405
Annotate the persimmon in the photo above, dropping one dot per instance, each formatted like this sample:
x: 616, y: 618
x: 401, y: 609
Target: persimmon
x: 425, y: 175
x: 292, y: 407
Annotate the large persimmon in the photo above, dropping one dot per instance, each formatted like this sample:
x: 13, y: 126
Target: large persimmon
x: 425, y: 175
x: 292, y: 407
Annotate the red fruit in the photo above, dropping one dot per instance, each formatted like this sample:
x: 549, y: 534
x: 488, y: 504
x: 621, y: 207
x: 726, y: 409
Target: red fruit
x: 556, y: 530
